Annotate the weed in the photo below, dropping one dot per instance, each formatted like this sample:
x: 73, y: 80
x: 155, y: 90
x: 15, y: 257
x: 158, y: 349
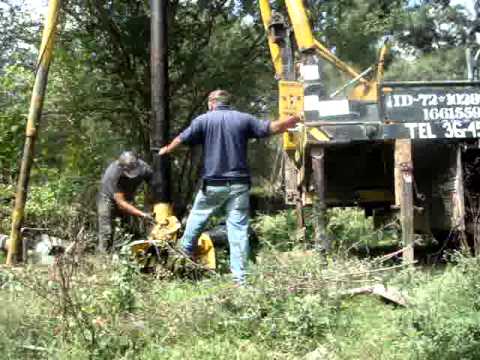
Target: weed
x: 295, y: 305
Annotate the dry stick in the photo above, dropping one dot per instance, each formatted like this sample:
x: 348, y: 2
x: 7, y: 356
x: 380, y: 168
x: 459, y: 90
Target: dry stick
x: 336, y: 278
x: 26, y: 228
x: 375, y: 270
x: 386, y: 226
x: 41, y: 292
x: 391, y: 255
x: 68, y: 305
x: 445, y: 243
x: 35, y: 348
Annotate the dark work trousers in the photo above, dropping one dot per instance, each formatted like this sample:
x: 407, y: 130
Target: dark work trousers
x: 107, y: 211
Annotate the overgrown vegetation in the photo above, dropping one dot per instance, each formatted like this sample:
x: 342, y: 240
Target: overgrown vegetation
x: 348, y: 228
x: 295, y: 305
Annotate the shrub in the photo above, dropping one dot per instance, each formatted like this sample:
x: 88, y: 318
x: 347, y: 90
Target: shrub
x: 347, y: 228
x: 277, y: 231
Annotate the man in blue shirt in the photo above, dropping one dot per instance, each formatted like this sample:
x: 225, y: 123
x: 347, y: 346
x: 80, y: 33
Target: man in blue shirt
x: 224, y: 134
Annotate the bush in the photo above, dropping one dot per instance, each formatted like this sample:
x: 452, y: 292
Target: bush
x: 445, y: 320
x: 347, y: 228
x: 350, y: 228
x: 52, y: 204
x: 277, y: 231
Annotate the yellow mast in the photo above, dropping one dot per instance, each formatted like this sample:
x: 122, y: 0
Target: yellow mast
x: 34, y: 115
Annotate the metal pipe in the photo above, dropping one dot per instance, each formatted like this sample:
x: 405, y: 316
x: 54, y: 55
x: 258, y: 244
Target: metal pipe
x: 159, y: 99
x: 34, y: 115
x: 394, y: 84
x: 321, y: 239
x: 335, y: 123
x: 381, y: 61
x: 351, y: 82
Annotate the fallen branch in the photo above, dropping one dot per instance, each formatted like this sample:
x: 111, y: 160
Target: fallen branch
x: 35, y: 348
x: 373, y: 270
x: 25, y: 228
x: 391, y: 295
x: 391, y: 255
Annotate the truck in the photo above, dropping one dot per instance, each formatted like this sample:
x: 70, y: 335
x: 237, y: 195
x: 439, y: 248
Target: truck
x: 397, y: 149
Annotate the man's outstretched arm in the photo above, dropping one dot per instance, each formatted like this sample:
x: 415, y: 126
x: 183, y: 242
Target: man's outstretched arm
x: 170, y: 147
x: 126, y: 207
x: 280, y: 126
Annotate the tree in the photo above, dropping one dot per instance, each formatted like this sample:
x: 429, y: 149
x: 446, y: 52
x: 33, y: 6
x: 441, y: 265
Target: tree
x: 433, y: 25
x: 18, y: 32
x: 99, y: 90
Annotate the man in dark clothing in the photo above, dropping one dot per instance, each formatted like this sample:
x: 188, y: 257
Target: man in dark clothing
x: 224, y: 134
x: 118, y: 186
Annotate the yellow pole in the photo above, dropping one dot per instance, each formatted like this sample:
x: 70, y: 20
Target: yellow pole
x: 301, y: 24
x: 34, y: 115
x: 306, y: 41
x: 275, y: 52
x: 381, y: 62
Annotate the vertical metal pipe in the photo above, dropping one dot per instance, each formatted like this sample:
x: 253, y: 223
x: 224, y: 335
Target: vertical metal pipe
x: 34, y: 115
x: 160, y: 114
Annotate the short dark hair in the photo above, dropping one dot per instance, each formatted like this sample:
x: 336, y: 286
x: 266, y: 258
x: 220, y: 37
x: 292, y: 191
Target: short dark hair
x: 220, y: 96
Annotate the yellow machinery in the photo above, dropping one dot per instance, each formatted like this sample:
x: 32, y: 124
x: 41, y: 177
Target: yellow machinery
x: 161, y: 244
x: 357, y: 145
x: 298, y: 75
x: 328, y: 119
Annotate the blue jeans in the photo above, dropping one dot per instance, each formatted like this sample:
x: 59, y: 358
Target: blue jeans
x: 234, y: 198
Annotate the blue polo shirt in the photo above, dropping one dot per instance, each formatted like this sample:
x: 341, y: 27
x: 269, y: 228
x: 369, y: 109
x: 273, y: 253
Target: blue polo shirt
x: 224, y: 134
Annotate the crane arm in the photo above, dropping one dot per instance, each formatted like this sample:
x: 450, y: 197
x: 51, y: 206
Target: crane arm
x: 275, y: 51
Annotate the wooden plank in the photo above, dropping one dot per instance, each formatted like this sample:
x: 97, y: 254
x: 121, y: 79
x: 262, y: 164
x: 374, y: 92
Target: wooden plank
x: 292, y: 194
x: 404, y: 194
x: 321, y: 241
x: 458, y: 202
x: 392, y: 295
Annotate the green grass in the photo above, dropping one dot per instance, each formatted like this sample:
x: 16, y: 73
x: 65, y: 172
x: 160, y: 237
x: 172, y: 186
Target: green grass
x: 291, y: 308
